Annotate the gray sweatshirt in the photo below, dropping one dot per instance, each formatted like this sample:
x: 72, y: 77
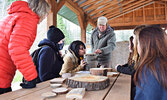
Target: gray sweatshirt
x: 106, y: 43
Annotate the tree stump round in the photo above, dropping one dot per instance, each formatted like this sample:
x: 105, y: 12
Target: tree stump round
x: 89, y: 82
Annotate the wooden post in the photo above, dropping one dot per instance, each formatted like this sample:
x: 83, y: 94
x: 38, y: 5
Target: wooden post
x: 83, y: 20
x: 144, y: 15
x: 52, y: 17
x: 55, y: 7
x: 83, y: 24
x: 165, y: 11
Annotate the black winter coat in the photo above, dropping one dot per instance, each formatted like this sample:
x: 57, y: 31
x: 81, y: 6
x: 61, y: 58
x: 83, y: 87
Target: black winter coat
x: 49, y: 61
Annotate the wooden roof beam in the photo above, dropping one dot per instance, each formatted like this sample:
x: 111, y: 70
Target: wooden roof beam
x: 138, y: 23
x: 79, y: 12
x: 80, y: 1
x: 95, y: 6
x: 88, y: 3
x: 127, y: 6
x: 52, y: 17
x: 107, y: 11
x: 75, y: 0
x: 59, y: 5
x: 113, y: 2
x: 128, y: 9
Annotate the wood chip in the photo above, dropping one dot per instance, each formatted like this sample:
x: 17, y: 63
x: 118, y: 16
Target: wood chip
x: 77, y: 93
x: 55, y: 85
x: 112, y: 74
x: 48, y: 95
x: 57, y: 80
x: 60, y: 90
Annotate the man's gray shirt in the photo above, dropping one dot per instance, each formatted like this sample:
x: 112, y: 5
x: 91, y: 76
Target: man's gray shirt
x: 106, y: 43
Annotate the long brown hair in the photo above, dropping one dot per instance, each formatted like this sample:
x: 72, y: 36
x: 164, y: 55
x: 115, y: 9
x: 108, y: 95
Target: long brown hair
x: 136, y: 34
x: 131, y: 47
x: 153, y: 49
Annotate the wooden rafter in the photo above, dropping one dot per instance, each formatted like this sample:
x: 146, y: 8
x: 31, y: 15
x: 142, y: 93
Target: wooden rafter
x: 95, y: 5
x: 73, y: 6
x: 80, y: 1
x: 125, y: 7
x: 131, y: 11
x: 52, y: 17
x: 114, y: 8
x: 60, y: 4
x: 75, y: 0
x: 130, y: 8
x: 137, y: 23
x: 88, y: 3
x: 113, y: 2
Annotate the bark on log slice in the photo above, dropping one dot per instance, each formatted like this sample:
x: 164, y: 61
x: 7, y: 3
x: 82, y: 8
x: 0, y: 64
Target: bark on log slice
x: 89, y: 82
x: 98, y: 71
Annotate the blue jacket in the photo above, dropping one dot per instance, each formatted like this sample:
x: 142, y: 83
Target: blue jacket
x: 150, y: 89
x: 49, y: 60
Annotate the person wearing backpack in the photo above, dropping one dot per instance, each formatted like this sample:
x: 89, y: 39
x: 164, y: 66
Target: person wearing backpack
x: 17, y: 33
x: 49, y: 60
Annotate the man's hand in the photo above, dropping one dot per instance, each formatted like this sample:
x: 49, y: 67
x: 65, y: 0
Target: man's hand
x: 98, y: 51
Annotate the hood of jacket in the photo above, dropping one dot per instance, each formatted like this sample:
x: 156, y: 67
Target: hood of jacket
x: 49, y: 43
x: 71, y: 54
x: 20, y: 6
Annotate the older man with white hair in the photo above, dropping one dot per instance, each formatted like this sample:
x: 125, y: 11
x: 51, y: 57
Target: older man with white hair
x: 103, y: 42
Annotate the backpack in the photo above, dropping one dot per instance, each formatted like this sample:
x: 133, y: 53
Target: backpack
x: 34, y: 56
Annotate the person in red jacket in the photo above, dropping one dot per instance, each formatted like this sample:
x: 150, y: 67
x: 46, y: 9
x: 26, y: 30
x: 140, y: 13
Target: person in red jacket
x: 17, y: 34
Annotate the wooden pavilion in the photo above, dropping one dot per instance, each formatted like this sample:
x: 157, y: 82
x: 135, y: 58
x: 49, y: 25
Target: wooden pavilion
x: 121, y: 14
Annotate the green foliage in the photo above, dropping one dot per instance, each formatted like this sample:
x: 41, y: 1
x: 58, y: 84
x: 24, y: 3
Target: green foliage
x: 61, y: 25
x: 18, y: 77
x: 10, y: 1
x: 89, y: 28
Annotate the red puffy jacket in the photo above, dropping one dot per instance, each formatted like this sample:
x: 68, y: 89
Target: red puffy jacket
x: 17, y: 34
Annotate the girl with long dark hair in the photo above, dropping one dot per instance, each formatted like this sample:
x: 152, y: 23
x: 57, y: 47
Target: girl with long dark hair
x: 73, y: 60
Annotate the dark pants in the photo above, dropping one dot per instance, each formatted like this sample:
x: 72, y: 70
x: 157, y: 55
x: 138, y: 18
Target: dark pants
x: 5, y: 90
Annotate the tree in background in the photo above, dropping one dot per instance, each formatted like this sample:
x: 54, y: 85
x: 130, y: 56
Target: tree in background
x: 3, y: 7
x: 61, y: 25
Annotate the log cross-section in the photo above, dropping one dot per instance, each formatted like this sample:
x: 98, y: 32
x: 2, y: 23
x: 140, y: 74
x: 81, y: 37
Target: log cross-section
x: 89, y: 82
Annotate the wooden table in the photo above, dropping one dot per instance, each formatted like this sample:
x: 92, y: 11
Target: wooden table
x: 119, y: 89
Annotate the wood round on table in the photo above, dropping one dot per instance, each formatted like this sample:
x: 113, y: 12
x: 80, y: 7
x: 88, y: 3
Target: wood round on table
x: 60, y: 90
x: 112, y: 74
x: 98, y: 71
x: 89, y: 82
x: 48, y: 95
x: 55, y: 85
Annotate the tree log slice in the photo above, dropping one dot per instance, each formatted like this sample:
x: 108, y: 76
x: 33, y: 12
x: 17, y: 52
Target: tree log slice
x: 60, y: 90
x: 89, y: 82
x: 98, y: 71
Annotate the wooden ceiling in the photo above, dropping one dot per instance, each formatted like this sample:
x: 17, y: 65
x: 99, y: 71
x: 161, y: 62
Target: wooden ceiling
x: 121, y: 14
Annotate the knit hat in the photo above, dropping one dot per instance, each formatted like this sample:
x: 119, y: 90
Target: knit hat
x: 102, y: 20
x: 55, y: 34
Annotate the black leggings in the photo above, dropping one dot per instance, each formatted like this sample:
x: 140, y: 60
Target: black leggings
x: 5, y: 90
